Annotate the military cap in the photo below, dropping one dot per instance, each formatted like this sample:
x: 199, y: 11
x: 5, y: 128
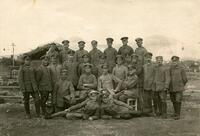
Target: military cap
x: 109, y: 39
x: 124, y: 38
x: 102, y: 56
x: 64, y: 71
x: 94, y: 41
x: 148, y: 54
x: 44, y: 57
x: 130, y: 66
x: 119, y: 56
x: 159, y: 57
x: 88, y: 64
x: 105, y: 66
x: 65, y: 41
x: 175, y: 58
x: 85, y: 55
x: 138, y: 39
x: 81, y: 42
x: 93, y: 92
x: 26, y: 56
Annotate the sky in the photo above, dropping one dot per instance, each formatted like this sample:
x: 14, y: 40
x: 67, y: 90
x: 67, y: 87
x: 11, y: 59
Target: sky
x: 168, y: 27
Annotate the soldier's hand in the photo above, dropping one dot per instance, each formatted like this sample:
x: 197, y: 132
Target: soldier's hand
x: 67, y: 110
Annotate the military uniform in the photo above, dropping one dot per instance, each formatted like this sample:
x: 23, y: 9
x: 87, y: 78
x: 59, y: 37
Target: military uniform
x: 79, y: 53
x: 177, y: 84
x: 160, y: 86
x: 125, y: 49
x: 120, y: 71
x: 94, y: 55
x: 45, y: 85
x: 28, y: 86
x: 110, y: 54
x: 55, y: 69
x: 140, y: 52
x: 65, y: 53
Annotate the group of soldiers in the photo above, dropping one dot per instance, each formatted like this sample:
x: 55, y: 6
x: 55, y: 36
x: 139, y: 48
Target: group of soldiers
x: 95, y: 84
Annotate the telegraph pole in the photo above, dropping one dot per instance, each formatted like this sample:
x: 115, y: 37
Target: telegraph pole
x: 13, y: 53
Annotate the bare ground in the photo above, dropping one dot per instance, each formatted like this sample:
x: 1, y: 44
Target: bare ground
x: 12, y: 122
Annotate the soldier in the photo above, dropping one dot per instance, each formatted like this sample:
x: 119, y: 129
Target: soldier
x: 140, y: 50
x: 160, y: 87
x: 148, y: 69
x: 129, y: 85
x: 111, y: 54
x: 45, y: 83
x: 125, y: 48
x: 102, y: 61
x: 88, y: 109
x: 66, y: 51
x: 112, y: 108
x: 72, y: 70
x: 79, y: 53
x: 28, y: 86
x: 87, y: 81
x: 94, y: 53
x: 177, y: 84
x: 120, y: 71
x: 64, y: 94
x: 127, y: 60
x: 105, y: 81
x: 81, y: 69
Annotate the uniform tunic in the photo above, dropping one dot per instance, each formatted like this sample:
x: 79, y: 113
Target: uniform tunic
x: 62, y: 88
x: 125, y: 49
x: 148, y: 76
x: 140, y: 51
x: 55, y: 72
x: 65, y: 53
x: 120, y: 71
x: 94, y: 55
x: 87, y: 79
x: 78, y: 55
x: 111, y: 54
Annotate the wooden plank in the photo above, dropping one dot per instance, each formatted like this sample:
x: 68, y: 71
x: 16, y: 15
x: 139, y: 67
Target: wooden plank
x: 11, y: 97
x: 9, y: 87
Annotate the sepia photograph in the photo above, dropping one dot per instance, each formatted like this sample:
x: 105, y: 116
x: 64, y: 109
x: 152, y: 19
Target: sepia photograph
x: 100, y: 68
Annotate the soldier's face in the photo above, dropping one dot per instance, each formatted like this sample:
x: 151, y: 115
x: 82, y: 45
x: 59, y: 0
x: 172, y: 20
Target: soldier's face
x: 63, y: 76
x: 128, y: 58
x: 124, y: 42
x: 45, y: 62
x: 27, y: 61
x: 87, y: 69
x: 139, y: 43
x: 81, y: 46
x: 94, y: 44
x: 109, y: 43
x: 102, y: 60
x: 131, y: 71
x: 174, y: 63
x: 148, y: 59
x: 159, y: 61
x: 134, y: 60
x: 105, y: 70
x: 54, y: 61
x: 86, y: 59
x: 66, y: 45
x: 93, y: 96
x: 119, y: 61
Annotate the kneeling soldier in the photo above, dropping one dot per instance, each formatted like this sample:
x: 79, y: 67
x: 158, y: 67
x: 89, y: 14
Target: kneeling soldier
x: 28, y: 86
x: 160, y: 87
x: 177, y: 84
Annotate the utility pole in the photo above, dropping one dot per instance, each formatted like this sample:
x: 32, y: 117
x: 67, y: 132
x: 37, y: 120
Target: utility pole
x: 13, y: 53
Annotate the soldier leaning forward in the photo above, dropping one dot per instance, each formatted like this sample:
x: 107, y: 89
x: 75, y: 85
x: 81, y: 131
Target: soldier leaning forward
x: 45, y: 82
x: 28, y: 86
x: 160, y: 86
x: 177, y: 84
x: 64, y: 93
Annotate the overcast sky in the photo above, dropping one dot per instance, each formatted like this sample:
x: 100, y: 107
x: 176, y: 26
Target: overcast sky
x: 169, y: 27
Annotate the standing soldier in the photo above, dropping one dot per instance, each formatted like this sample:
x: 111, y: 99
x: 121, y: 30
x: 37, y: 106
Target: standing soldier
x: 160, y: 86
x: 125, y: 48
x: 177, y: 84
x: 111, y: 54
x: 140, y: 51
x: 148, y: 69
x: 45, y: 83
x: 94, y: 56
x: 79, y: 53
x: 66, y: 51
x: 28, y: 86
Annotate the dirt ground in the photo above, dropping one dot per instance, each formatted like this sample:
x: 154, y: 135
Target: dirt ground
x: 12, y: 122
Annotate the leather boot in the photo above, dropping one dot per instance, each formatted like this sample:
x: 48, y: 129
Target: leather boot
x: 178, y: 110
x: 27, y: 110
x: 174, y: 106
x: 164, y: 110
x: 37, y: 108
x: 155, y: 107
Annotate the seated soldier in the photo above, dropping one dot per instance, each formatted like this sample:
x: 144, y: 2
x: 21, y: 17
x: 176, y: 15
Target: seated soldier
x: 88, y: 109
x: 105, y: 81
x: 102, y: 61
x: 87, y: 82
x: 129, y: 85
x: 112, y: 108
x: 63, y: 94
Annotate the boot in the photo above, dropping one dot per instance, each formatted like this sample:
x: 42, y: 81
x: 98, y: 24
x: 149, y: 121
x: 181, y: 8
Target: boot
x: 27, y: 110
x: 174, y: 106
x: 155, y: 107
x: 178, y: 110
x: 159, y: 108
x: 164, y: 110
x: 37, y: 108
